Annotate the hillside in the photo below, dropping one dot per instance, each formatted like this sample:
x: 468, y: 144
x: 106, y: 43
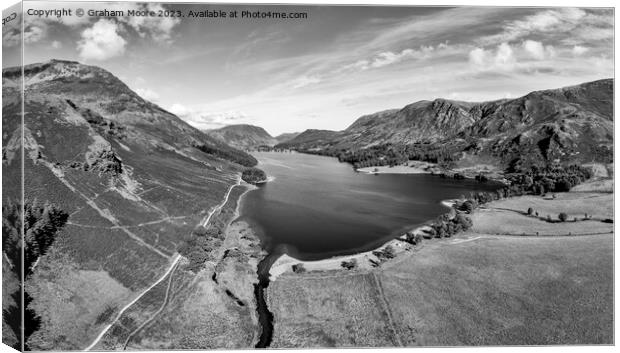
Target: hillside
x: 286, y: 136
x: 311, y: 139
x: 136, y: 182
x: 571, y: 124
x: 243, y: 136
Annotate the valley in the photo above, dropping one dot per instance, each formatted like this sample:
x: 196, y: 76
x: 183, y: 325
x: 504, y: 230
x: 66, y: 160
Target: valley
x: 177, y: 238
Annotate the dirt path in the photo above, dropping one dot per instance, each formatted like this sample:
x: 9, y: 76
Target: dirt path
x: 120, y: 313
x: 170, y: 270
x: 219, y: 207
x: 386, y: 307
x: 149, y: 320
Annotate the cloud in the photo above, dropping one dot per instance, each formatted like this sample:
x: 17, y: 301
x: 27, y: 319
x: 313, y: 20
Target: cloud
x: 503, y: 58
x: 387, y: 58
x: 179, y: 110
x: 478, y: 57
x: 158, y: 28
x: 101, y: 41
x: 542, y: 22
x: 148, y: 94
x: 537, y: 51
x: 11, y: 37
x: 33, y: 34
x: 505, y: 55
x: 56, y: 44
x: 205, y: 119
x: 305, y: 81
x: 578, y: 50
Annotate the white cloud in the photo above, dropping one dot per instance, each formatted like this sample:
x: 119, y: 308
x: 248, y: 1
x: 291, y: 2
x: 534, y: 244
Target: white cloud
x: 204, y: 119
x: 33, y: 34
x: 578, y: 50
x: 305, y: 81
x: 560, y: 20
x: 56, y: 44
x: 503, y: 58
x: 358, y: 65
x: 179, y: 110
x: 478, y: 57
x: 101, y: 41
x: 505, y: 55
x: 159, y: 28
x: 387, y: 58
x: 593, y: 33
x: 535, y: 49
x: 11, y: 37
x: 148, y: 94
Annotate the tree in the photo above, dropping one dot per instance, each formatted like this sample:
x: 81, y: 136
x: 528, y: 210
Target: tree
x: 562, y: 185
x: 530, y: 211
x: 467, y: 206
x: 563, y: 217
x: 464, y: 221
x: 413, y: 238
x: 253, y: 176
x: 349, y: 265
x: 389, y: 252
x: 299, y: 268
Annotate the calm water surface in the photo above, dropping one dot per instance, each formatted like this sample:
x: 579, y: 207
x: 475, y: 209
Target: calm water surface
x: 316, y: 207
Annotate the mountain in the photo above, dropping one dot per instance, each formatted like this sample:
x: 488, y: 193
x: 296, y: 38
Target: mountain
x: 137, y: 184
x: 287, y: 136
x: 311, y: 139
x: 243, y: 136
x: 571, y: 124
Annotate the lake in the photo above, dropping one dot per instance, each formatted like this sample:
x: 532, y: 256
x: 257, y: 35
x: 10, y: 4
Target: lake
x: 316, y: 207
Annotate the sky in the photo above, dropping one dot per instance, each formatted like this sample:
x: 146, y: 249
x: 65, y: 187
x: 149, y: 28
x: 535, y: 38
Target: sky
x: 326, y: 70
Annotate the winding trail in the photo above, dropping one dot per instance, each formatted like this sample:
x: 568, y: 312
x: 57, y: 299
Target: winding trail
x: 149, y: 320
x: 177, y: 257
x: 120, y: 313
x: 219, y: 207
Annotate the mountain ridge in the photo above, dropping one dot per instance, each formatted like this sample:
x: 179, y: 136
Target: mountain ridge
x: 552, y: 124
x: 243, y: 136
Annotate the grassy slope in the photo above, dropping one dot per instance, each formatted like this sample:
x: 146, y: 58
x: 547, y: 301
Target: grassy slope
x: 118, y: 228
x: 489, y: 290
x: 199, y: 313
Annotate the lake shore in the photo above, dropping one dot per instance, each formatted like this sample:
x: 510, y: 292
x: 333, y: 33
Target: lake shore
x: 504, y: 252
x: 364, y: 259
x: 285, y: 262
x: 483, y: 220
x: 412, y: 167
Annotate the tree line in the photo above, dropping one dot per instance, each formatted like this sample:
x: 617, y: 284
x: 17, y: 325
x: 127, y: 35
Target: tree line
x: 41, y: 224
x: 390, y: 154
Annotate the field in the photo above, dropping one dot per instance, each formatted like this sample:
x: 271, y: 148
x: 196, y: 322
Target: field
x: 480, y: 288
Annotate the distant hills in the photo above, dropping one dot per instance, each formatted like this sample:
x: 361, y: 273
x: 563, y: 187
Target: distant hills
x: 243, y: 136
x: 286, y: 136
x: 247, y: 137
x: 567, y: 124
